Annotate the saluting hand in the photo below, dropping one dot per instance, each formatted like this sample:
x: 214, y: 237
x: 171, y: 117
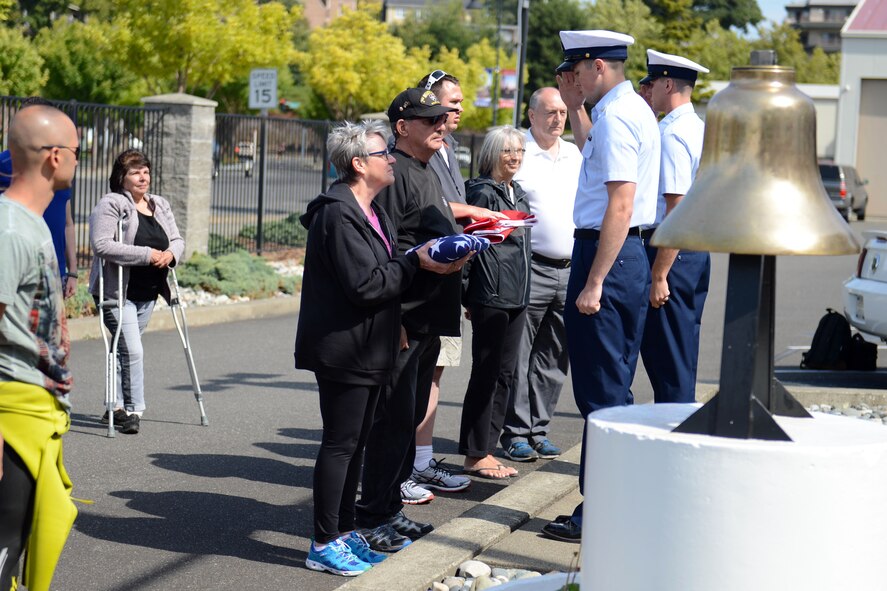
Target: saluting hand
x: 570, y: 91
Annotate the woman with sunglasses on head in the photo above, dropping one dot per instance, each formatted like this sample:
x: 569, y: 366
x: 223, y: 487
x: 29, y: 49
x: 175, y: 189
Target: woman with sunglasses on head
x: 496, y: 295
x: 150, y: 244
x: 349, y: 330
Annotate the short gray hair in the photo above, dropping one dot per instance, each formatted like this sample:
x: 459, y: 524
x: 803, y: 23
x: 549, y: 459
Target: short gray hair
x: 349, y: 141
x: 494, y: 142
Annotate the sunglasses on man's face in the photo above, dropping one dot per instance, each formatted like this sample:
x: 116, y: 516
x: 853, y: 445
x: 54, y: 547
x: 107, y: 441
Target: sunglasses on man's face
x: 432, y: 121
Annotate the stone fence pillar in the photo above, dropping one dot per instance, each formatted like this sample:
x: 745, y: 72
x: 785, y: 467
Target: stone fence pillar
x: 188, y: 129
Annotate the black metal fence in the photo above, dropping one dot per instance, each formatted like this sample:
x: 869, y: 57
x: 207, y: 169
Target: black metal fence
x: 105, y: 131
x: 265, y: 171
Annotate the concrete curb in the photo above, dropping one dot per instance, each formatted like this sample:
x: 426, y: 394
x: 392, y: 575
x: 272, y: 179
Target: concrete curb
x: 88, y: 328
x: 440, y: 552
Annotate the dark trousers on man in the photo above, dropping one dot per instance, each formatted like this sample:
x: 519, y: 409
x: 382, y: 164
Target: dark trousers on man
x: 391, y: 446
x: 495, y: 339
x: 604, y: 347
x: 670, y: 347
x: 542, y: 360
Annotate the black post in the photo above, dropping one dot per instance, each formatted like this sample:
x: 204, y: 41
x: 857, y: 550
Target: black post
x: 748, y: 392
x: 325, y: 166
x: 263, y: 131
x: 522, y: 60
x: 496, y: 82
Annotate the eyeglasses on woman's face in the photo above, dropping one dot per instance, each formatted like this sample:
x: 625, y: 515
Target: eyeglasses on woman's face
x: 512, y: 151
x: 383, y: 154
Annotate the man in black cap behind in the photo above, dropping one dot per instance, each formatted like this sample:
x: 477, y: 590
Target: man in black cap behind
x: 431, y: 307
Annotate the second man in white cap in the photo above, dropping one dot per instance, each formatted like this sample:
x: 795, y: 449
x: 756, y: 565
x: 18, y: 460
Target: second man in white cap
x: 680, y: 278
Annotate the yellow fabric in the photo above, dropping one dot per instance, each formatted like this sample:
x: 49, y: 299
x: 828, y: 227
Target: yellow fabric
x: 32, y: 422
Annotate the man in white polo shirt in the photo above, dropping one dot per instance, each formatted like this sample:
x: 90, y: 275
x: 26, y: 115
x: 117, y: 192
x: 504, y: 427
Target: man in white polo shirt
x: 549, y: 176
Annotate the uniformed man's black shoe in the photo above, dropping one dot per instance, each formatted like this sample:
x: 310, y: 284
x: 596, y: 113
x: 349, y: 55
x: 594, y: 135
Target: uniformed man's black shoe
x: 564, y: 530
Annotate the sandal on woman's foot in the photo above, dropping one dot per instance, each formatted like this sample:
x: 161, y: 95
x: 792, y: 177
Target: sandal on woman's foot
x: 488, y: 473
x: 512, y: 472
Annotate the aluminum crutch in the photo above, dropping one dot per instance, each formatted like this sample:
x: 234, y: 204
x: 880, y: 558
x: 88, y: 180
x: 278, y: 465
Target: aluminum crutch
x: 178, y: 316
x: 111, y: 348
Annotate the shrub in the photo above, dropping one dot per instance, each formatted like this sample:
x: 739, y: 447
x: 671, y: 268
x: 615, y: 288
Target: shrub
x: 288, y: 231
x: 234, y: 274
x: 80, y: 305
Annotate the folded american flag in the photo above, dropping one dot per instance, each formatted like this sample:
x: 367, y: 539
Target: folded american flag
x: 497, y: 231
x: 452, y: 248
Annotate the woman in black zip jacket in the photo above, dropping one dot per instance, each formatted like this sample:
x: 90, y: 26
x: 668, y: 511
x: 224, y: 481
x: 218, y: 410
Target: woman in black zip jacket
x: 349, y: 330
x: 496, y: 295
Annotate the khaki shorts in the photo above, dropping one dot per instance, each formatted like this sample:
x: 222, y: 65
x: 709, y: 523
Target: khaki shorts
x: 450, y: 352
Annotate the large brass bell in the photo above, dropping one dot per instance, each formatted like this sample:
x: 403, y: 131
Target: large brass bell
x: 757, y: 194
x: 758, y: 190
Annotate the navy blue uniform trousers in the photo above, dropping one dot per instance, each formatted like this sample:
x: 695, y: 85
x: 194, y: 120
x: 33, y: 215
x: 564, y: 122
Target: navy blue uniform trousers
x: 604, y: 347
x: 670, y: 347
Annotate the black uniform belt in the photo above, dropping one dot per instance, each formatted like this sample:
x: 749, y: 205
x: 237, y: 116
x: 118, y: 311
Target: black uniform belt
x: 647, y: 233
x: 589, y: 234
x: 559, y: 263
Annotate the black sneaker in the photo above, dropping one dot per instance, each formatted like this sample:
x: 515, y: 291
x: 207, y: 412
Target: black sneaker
x: 384, y: 539
x: 131, y: 425
x: 409, y: 528
x: 119, y: 417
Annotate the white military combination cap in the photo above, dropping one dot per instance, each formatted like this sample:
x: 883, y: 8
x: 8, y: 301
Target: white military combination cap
x: 666, y: 65
x: 590, y: 45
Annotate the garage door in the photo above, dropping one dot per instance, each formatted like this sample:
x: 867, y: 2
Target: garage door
x: 870, y: 150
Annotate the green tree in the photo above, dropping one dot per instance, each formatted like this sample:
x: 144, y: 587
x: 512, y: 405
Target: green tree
x: 817, y: 68
x: 679, y: 21
x: 82, y: 63
x: 21, y: 67
x: 730, y: 13
x: 186, y: 45
x: 445, y: 24
x: 719, y: 50
x: 544, y: 51
x: 355, y: 80
x: 7, y: 8
x: 632, y: 17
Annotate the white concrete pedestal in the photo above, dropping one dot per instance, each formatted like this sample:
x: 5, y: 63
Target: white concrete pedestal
x: 676, y: 512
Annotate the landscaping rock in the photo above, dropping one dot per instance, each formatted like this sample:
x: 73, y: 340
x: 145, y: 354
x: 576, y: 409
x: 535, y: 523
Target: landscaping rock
x: 474, y: 568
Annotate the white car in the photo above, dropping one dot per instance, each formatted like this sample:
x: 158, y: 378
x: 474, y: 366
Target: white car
x: 865, y: 293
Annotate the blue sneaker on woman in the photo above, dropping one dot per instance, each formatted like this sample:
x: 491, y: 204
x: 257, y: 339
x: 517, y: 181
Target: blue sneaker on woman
x: 337, y: 558
x: 361, y: 548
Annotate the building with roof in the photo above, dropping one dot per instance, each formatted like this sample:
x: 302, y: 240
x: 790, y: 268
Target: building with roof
x: 319, y: 13
x: 862, y: 108
x: 820, y: 22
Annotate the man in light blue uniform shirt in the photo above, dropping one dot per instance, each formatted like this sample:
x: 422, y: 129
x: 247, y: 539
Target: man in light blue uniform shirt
x: 618, y: 184
x: 670, y: 348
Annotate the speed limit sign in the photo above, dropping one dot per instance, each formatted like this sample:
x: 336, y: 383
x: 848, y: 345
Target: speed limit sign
x: 263, y: 88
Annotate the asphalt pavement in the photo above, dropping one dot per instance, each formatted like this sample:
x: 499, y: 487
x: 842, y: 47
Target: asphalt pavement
x: 229, y: 506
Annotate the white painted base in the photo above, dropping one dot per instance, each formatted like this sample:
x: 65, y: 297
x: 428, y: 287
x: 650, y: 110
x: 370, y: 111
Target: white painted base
x: 549, y: 582
x: 676, y: 512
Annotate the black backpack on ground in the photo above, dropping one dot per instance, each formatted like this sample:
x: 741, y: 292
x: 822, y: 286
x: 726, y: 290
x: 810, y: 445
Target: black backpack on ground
x: 861, y: 354
x: 831, y: 343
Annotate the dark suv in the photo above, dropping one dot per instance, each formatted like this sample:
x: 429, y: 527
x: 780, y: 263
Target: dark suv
x: 845, y: 189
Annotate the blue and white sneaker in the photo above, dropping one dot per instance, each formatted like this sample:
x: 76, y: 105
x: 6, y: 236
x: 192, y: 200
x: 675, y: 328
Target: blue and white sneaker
x: 361, y: 548
x: 337, y: 558
x: 520, y: 451
x: 547, y: 450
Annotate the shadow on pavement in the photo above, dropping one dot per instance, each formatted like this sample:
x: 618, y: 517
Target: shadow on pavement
x: 199, y: 524
x: 236, y: 380
x: 228, y: 466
